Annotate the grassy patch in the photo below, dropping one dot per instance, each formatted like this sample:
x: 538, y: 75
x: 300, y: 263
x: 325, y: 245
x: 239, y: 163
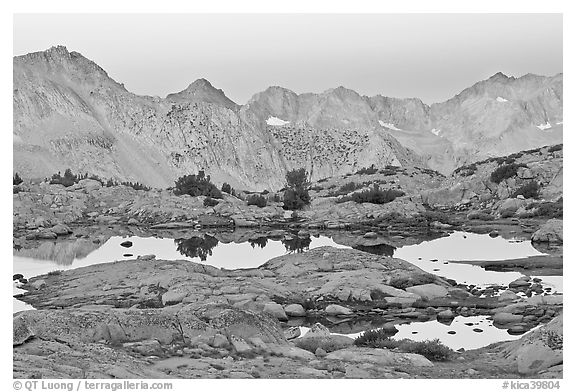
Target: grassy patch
x: 434, y: 350
x: 547, y: 209
x: 374, y: 195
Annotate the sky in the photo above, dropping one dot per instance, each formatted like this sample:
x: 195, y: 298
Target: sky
x: 429, y: 56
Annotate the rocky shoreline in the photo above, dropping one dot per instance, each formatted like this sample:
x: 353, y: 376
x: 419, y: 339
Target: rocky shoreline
x: 324, y: 284
x: 152, y: 318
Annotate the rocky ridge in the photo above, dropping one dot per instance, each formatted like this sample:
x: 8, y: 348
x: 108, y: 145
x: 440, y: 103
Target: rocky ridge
x: 69, y: 113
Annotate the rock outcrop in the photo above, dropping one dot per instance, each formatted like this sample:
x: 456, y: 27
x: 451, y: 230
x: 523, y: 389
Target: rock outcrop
x: 551, y: 231
x: 473, y: 183
x: 540, y: 351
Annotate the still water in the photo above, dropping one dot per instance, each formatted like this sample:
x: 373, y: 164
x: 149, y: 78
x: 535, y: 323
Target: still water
x: 433, y: 256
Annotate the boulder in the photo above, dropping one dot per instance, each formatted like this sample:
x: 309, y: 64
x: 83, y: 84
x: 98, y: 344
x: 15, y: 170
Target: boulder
x: 292, y: 333
x: 428, y: 291
x: 21, y: 330
x: 239, y: 344
x: 38, y: 284
x: 538, y: 350
x: 551, y: 231
x: 378, y: 356
x: 445, y: 315
x: 338, y: 310
x: 219, y: 341
x: 126, y: 244
x: 145, y: 347
x: 295, y: 310
x: 510, y: 206
x: 88, y: 185
x: 291, y: 352
x: 317, y: 330
x: 506, y: 318
x: 61, y: 229
x: 43, y: 234
x: 507, y: 296
x: 173, y: 297
x: 276, y: 311
x: 520, y: 282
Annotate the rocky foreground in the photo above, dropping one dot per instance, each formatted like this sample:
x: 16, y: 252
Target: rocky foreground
x: 148, y: 318
x: 154, y: 318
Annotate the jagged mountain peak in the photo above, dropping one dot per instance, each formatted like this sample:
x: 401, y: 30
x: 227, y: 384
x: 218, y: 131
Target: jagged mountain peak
x: 500, y: 77
x: 60, y: 63
x: 342, y: 93
x: 201, y: 90
x: 71, y: 114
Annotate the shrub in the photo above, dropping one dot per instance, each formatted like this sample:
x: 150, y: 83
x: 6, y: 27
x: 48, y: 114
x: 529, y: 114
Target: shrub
x: 374, y: 195
x: 467, y: 170
x: 210, y: 202
x: 16, y: 180
x: 403, y: 282
x: 371, y: 337
x: 529, y: 190
x: 67, y: 180
x: 547, y: 209
x: 296, y: 199
x: 434, y: 350
x: 368, y: 170
x: 388, y: 172
x: 257, y: 200
x: 296, y: 195
x: 296, y: 178
x: 347, y: 188
x: 226, y: 188
x: 480, y: 215
x: 503, y: 172
x: 136, y: 186
x: 557, y: 147
x: 196, y: 185
x: 328, y: 344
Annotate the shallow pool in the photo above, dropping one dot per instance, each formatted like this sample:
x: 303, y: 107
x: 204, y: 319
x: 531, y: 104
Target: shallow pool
x: 434, y: 256
x: 464, y: 332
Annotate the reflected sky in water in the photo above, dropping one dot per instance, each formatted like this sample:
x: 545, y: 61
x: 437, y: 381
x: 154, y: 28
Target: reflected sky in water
x: 457, y: 246
x: 230, y: 256
x: 434, y: 256
x: 465, y: 336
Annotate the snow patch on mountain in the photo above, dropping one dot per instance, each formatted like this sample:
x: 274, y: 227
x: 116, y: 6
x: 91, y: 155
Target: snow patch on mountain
x: 389, y: 125
x: 542, y: 127
x: 500, y: 99
x: 277, y: 122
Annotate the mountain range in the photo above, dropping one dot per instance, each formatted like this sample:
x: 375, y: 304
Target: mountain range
x: 68, y: 113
